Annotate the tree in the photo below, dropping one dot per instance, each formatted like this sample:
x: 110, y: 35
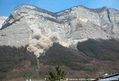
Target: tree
x: 56, y: 75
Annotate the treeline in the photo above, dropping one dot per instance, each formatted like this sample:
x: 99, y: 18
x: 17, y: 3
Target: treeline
x: 100, y: 49
x: 10, y: 57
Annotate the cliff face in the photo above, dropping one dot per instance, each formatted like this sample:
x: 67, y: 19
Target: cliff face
x: 39, y: 29
x: 94, y: 32
x: 2, y: 19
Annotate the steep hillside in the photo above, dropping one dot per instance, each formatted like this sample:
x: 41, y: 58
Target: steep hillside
x: 83, y: 41
x: 39, y: 29
x: 93, y: 58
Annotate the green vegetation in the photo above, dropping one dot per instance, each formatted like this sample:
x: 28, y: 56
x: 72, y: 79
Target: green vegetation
x: 27, y: 75
x: 56, y: 75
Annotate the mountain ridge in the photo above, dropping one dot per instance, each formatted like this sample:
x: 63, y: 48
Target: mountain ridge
x: 2, y: 19
x: 84, y: 42
x: 66, y: 28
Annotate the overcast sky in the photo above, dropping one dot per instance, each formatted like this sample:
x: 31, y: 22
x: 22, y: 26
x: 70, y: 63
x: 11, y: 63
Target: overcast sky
x: 6, y: 6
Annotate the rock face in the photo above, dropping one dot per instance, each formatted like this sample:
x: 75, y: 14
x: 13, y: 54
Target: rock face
x: 2, y: 19
x: 39, y: 29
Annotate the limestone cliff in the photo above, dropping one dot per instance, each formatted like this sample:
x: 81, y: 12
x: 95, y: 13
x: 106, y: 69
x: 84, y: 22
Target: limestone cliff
x: 39, y: 29
x: 2, y: 19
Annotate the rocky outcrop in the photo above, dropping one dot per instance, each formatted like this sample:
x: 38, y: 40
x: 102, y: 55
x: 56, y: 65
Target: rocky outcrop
x: 2, y: 19
x: 39, y: 29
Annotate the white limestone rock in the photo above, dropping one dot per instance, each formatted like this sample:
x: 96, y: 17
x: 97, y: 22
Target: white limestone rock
x: 39, y: 29
x: 2, y: 19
